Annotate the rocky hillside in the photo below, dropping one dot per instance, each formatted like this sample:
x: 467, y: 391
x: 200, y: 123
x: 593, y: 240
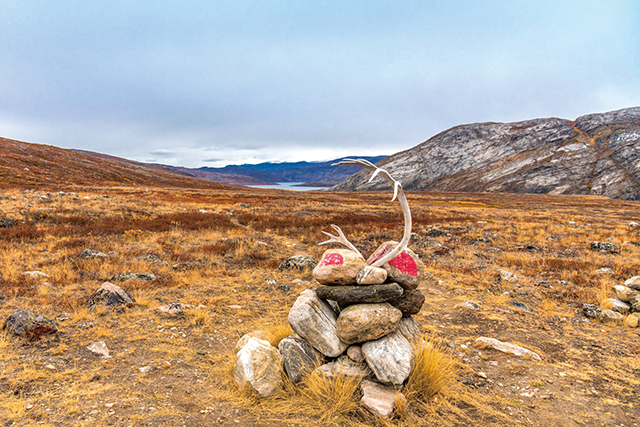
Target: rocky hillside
x: 27, y: 164
x: 595, y: 154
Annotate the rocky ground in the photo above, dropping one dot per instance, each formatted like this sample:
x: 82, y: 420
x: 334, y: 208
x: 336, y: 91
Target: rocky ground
x: 517, y: 268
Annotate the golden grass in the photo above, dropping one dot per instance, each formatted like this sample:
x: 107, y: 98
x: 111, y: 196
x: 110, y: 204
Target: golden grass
x: 432, y: 371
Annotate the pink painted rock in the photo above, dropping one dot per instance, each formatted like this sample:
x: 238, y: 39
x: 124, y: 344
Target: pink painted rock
x: 405, y: 269
x: 338, y: 267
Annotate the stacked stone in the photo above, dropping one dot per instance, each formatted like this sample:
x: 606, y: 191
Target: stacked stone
x: 356, y: 323
x: 625, y: 306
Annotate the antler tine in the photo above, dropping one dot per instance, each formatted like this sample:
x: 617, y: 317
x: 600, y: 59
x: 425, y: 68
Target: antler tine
x: 341, y: 239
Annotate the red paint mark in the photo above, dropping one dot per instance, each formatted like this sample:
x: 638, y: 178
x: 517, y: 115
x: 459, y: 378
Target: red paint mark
x: 405, y: 264
x: 332, y: 259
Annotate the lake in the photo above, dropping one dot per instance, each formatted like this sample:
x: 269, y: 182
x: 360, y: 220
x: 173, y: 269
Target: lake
x: 288, y: 186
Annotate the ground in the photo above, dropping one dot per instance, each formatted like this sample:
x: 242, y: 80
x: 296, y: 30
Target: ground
x: 220, y: 250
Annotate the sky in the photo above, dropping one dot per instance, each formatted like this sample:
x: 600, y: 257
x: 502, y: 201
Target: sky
x: 210, y: 83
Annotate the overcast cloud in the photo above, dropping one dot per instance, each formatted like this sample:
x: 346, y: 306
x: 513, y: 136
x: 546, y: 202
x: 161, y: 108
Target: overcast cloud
x: 208, y: 83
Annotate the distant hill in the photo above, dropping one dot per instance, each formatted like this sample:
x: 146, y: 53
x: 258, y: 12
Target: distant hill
x: 31, y: 165
x: 313, y: 172
x: 594, y: 154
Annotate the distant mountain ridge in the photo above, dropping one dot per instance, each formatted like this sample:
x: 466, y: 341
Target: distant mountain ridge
x: 595, y: 154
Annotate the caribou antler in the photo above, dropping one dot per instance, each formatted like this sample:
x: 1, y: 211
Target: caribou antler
x: 340, y: 238
x: 397, y: 193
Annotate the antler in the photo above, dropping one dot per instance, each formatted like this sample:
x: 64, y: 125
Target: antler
x: 340, y: 238
x: 397, y: 193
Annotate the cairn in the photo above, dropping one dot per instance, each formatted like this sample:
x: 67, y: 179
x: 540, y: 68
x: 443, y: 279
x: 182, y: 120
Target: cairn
x: 357, y: 322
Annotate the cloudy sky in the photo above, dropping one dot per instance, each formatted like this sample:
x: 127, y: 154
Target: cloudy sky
x: 208, y: 83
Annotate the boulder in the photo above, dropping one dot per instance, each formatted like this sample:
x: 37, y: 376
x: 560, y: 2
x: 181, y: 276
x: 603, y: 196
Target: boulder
x: 30, y: 325
x: 406, y: 269
x: 506, y: 347
x: 110, y: 295
x: 371, y: 276
x: 633, y: 283
x: 338, y: 267
x: 345, y: 295
x: 389, y: 358
x: 624, y: 293
x: 379, y: 399
x: 610, y: 316
x: 298, y: 357
x: 346, y: 367
x: 260, y: 334
x: 408, y: 303
x: 409, y: 329
x: 615, y: 305
x: 365, y: 322
x: 298, y: 263
x: 315, y: 321
x: 258, y: 366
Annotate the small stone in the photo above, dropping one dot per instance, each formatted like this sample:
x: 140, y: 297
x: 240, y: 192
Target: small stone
x: 175, y: 308
x: 6, y: 222
x: 344, y: 366
x: 122, y: 277
x: 258, y: 366
x: 315, y: 321
x: 379, y: 399
x: 406, y: 269
x: 633, y: 224
x: 389, y: 357
x: 632, y: 320
x: 298, y: 263
x: 610, y: 316
x: 624, y: 293
x: 615, y: 305
x: 35, y: 274
x: 99, y: 348
x: 605, y: 247
x: 145, y: 369
x: 469, y: 305
x: 604, y: 270
x: 260, y: 334
x: 354, y: 353
x: 506, y: 347
x: 109, y: 294
x: 360, y: 294
x: 409, y: 303
x: 371, y: 276
x: 633, y: 283
x: 91, y: 254
x: 507, y: 276
x: 338, y: 267
x: 299, y: 358
x: 591, y: 311
x: 365, y: 322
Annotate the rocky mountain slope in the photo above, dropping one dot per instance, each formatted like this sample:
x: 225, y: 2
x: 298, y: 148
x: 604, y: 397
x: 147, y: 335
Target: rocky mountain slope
x: 27, y: 164
x: 595, y: 154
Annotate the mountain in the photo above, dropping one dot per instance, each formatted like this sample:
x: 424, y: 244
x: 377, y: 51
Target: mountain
x: 594, y: 154
x: 310, y: 172
x: 27, y: 164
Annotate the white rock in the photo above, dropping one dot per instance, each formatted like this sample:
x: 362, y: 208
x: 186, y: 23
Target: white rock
x: 258, y: 365
x: 379, y: 399
x: 36, y: 274
x: 506, y: 347
x: 410, y: 329
x: 633, y: 283
x: 389, y: 357
x: 99, y: 348
x: 315, y: 321
x: 507, y: 276
x: 371, y: 276
x: 624, y: 293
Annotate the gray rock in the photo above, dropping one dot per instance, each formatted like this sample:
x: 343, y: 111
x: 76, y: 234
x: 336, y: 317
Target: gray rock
x: 605, y: 247
x: 360, y: 294
x: 175, y: 308
x: 469, y: 305
x: 364, y: 322
x: 260, y: 334
x: 409, y: 329
x: 354, y: 352
x: 29, y: 325
x: 346, y: 367
x: 110, y: 295
x: 507, y: 276
x: 315, y: 321
x: 6, y: 222
x: 408, y: 303
x: 506, y: 347
x: 298, y: 263
x: 258, y: 366
x: 615, y: 305
x: 406, y: 269
x: 99, y: 348
x: 610, y: 316
x: 299, y: 358
x: 591, y: 311
x: 389, y: 358
x: 624, y: 293
x: 122, y: 277
x: 379, y: 399
x: 371, y: 276
x: 91, y: 254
